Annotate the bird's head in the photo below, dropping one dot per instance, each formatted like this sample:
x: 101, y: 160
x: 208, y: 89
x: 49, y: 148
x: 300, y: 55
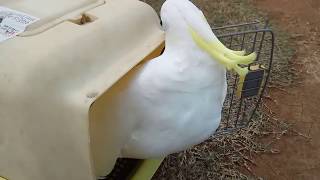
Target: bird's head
x: 185, y: 24
x: 181, y: 15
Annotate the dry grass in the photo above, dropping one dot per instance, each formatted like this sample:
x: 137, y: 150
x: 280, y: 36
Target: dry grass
x: 232, y: 156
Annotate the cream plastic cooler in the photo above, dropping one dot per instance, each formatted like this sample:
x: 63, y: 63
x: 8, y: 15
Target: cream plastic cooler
x: 52, y: 74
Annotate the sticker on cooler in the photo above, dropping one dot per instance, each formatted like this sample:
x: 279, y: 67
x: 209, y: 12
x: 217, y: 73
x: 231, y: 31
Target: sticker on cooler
x: 13, y: 22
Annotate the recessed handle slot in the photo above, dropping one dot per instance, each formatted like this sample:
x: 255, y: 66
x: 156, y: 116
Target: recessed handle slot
x: 84, y: 19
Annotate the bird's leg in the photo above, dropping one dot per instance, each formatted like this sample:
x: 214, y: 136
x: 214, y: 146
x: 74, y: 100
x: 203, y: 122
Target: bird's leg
x: 225, y: 56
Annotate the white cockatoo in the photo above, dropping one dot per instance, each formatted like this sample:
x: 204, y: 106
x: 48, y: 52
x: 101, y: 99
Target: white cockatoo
x: 174, y: 101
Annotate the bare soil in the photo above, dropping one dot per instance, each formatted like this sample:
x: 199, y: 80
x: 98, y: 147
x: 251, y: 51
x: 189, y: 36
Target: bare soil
x: 299, y: 104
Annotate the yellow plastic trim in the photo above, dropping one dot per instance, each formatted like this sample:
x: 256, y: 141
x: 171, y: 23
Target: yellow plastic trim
x: 147, y: 169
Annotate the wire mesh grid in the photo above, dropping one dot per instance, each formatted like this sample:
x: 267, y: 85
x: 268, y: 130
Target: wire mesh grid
x: 253, y: 37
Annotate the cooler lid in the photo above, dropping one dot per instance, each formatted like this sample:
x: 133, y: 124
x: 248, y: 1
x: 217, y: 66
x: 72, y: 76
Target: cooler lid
x: 48, y: 10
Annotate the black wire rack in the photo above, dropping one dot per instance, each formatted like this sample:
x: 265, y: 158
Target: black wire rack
x: 243, y: 101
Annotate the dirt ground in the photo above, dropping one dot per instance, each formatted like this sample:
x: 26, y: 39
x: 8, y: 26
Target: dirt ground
x: 299, y: 158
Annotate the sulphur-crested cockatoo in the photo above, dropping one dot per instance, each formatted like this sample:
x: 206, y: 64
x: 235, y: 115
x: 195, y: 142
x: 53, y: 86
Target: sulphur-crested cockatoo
x: 174, y: 101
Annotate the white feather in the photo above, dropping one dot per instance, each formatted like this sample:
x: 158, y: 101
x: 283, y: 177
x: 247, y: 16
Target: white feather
x: 174, y: 101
